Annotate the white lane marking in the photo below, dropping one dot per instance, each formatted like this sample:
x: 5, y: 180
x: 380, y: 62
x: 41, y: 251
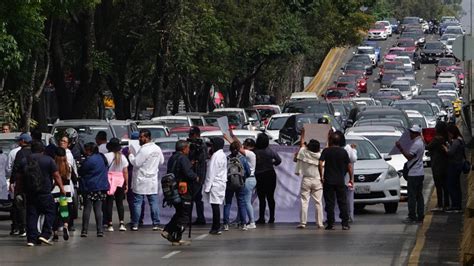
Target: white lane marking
x: 201, y: 237
x: 171, y: 254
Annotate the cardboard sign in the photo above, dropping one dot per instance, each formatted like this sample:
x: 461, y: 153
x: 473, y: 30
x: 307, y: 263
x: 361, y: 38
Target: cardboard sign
x: 318, y: 132
x: 405, y: 142
x: 223, y: 124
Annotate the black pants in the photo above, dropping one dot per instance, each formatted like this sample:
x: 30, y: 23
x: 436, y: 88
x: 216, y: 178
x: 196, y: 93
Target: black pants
x: 216, y: 217
x: 88, y: 206
x: 36, y: 205
x: 266, y: 184
x: 440, y: 180
x: 18, y: 212
x: 199, y: 204
x: 119, y: 196
x: 331, y: 193
x: 416, y: 203
x: 60, y: 221
x: 181, y: 217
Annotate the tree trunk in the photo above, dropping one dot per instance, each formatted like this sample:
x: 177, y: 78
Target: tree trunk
x: 28, y: 104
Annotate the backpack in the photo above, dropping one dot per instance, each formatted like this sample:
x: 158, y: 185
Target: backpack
x: 169, y: 185
x: 33, y: 177
x: 235, y: 174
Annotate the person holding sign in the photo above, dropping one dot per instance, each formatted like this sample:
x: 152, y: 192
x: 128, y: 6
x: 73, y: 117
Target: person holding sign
x: 307, y: 162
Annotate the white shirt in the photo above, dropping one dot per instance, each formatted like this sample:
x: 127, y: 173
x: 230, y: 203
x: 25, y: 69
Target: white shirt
x: 352, y: 158
x: 252, y: 159
x: 11, y: 159
x: 417, y: 149
x: 216, y: 178
x: 146, y: 166
x: 3, y: 180
x: 71, y: 161
x: 103, y: 148
x: 114, y: 167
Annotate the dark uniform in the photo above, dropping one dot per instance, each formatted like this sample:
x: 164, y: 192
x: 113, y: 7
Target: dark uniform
x: 198, y: 157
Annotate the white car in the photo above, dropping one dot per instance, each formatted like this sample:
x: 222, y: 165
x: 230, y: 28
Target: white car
x: 303, y: 95
x: 173, y: 121
x: 243, y: 114
x: 275, y: 123
x: 375, y: 181
x: 384, y: 138
x: 241, y: 134
x: 157, y: 131
x: 457, y: 30
x: 449, y: 46
x: 388, y: 26
x: 368, y: 50
x: 416, y: 118
x: 406, y: 61
x: 415, y: 87
x: 404, y: 87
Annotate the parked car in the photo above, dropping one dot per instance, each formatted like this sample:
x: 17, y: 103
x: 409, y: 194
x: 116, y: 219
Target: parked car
x: 87, y: 129
x: 236, y: 120
x: 183, y: 132
x: 375, y: 181
x: 276, y: 123
x: 266, y: 111
x: 123, y: 129
x: 243, y: 114
x: 157, y: 131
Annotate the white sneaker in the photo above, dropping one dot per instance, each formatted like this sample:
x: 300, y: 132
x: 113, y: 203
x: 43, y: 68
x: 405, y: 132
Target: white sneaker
x: 30, y: 244
x: 251, y: 226
x: 225, y: 227
x: 110, y: 228
x: 122, y: 227
x: 301, y: 226
x: 244, y: 227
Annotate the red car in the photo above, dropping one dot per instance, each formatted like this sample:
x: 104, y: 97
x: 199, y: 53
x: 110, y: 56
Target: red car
x: 389, y: 65
x: 339, y: 93
x: 360, y: 81
x: 408, y: 44
x: 444, y: 63
x: 183, y: 132
x: 392, y: 53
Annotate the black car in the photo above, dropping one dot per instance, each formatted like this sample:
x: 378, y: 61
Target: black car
x: 432, y: 52
x: 291, y: 131
x: 389, y: 76
x: 365, y: 60
x: 309, y: 106
x: 406, y: 21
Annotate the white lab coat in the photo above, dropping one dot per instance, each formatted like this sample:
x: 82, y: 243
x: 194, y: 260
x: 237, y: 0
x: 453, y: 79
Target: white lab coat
x: 352, y: 157
x: 146, y: 165
x: 216, y: 178
x: 71, y: 161
x: 11, y: 160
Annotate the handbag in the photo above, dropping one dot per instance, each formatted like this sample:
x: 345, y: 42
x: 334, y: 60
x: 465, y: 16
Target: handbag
x: 406, y: 169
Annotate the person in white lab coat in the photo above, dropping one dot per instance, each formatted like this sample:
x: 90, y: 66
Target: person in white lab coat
x: 215, y: 183
x: 146, y: 165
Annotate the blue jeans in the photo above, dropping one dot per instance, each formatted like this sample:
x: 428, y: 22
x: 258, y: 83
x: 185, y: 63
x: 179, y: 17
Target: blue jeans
x: 229, y: 195
x: 250, y: 184
x: 138, y: 200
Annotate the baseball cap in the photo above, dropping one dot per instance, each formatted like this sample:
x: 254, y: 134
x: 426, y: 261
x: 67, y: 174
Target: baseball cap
x: 415, y: 129
x: 25, y: 137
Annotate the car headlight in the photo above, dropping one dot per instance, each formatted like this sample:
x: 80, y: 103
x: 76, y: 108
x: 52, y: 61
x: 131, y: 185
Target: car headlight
x: 391, y: 172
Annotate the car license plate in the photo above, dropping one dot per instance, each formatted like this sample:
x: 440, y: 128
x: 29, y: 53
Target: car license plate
x: 362, y: 189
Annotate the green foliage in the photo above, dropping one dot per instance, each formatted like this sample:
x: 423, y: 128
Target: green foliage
x: 10, y: 56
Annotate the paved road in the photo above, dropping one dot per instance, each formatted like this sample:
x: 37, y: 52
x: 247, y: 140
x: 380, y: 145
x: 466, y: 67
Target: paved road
x: 375, y: 238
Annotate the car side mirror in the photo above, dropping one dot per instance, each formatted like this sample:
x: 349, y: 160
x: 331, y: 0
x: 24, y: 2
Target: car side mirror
x: 387, y: 157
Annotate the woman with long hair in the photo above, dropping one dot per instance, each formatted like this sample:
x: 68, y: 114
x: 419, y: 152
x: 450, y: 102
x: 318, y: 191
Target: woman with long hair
x: 439, y: 165
x: 266, y: 177
x: 65, y: 171
x: 118, y: 168
x: 455, y: 152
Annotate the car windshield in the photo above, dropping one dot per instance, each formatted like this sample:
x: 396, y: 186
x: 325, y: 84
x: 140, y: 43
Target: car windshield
x: 379, y: 27
x: 434, y: 46
x: 361, y: 59
x: 391, y: 76
x: 336, y: 93
x: 320, y: 108
x: 6, y: 145
x: 445, y: 86
x: 406, y: 44
x: 401, y: 87
x: 355, y: 67
x: 339, y: 107
x: 86, y: 133
x: 277, y: 123
x: 384, y: 144
x: 403, y: 60
x: 365, y: 150
x: 301, y: 120
x: 446, y: 62
x: 418, y: 121
x: 366, y: 51
x: 346, y: 79
x: 156, y: 132
x: 182, y: 134
x: 428, y: 92
x: 447, y: 36
x: 424, y: 109
x: 389, y: 116
x: 171, y: 123
x: 454, y: 31
x: 266, y: 113
x: 167, y: 145
x: 121, y: 131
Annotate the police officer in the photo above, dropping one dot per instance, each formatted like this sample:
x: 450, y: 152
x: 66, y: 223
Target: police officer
x: 198, y: 155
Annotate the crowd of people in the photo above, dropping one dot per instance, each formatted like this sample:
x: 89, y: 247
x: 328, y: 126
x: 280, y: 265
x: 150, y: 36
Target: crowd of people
x: 56, y: 181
